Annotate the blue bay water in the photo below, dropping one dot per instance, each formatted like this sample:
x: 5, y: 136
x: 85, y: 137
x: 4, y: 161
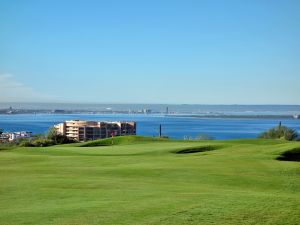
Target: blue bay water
x: 148, y: 125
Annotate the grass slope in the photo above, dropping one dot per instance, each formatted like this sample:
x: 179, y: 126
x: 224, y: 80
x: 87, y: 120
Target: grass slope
x: 142, y: 181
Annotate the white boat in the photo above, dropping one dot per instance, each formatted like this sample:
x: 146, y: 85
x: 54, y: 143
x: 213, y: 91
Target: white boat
x: 296, y: 116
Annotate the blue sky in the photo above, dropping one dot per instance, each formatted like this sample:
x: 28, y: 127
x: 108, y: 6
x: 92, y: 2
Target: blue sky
x: 201, y: 52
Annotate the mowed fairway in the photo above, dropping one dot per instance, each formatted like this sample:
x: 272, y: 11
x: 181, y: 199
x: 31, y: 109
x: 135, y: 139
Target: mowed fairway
x: 144, y: 181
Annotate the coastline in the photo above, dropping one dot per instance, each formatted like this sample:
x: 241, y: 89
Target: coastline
x: 237, y: 116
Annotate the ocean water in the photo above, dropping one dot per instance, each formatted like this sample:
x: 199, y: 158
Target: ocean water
x: 148, y: 125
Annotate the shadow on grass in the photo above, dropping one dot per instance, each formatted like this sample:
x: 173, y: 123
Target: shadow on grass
x: 198, y: 149
x: 290, y: 155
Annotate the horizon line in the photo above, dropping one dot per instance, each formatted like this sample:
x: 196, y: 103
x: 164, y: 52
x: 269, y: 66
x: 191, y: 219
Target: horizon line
x: 118, y: 103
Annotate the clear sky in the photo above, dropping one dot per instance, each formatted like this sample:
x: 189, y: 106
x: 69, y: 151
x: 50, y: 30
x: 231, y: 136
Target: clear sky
x: 206, y: 52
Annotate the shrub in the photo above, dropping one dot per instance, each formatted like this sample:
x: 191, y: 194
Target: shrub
x: 42, y: 142
x: 280, y: 132
x: 58, y: 138
x: 26, y: 144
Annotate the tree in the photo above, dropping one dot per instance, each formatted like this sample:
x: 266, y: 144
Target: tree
x: 52, y: 134
x: 57, y: 137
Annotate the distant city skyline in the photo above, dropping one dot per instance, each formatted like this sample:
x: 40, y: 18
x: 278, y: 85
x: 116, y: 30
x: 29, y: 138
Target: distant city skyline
x: 168, y: 52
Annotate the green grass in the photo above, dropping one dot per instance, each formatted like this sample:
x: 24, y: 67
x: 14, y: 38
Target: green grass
x: 120, y: 141
x: 136, y: 180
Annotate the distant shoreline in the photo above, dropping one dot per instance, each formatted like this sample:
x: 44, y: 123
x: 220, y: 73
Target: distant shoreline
x: 192, y: 111
x: 237, y: 116
x: 202, y: 116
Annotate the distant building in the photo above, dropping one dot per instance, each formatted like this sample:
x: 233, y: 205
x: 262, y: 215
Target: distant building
x: 147, y: 111
x: 11, y: 136
x: 81, y: 130
x: 4, y: 137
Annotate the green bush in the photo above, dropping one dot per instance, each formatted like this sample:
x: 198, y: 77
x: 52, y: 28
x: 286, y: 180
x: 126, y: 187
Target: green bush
x: 39, y: 140
x: 42, y: 142
x: 58, y: 138
x: 280, y: 132
x: 26, y: 144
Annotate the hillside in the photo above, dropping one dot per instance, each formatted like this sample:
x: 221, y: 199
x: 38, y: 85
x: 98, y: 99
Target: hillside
x: 137, y: 180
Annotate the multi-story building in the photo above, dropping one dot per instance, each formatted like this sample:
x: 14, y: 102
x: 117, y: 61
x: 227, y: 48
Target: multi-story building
x: 81, y: 130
